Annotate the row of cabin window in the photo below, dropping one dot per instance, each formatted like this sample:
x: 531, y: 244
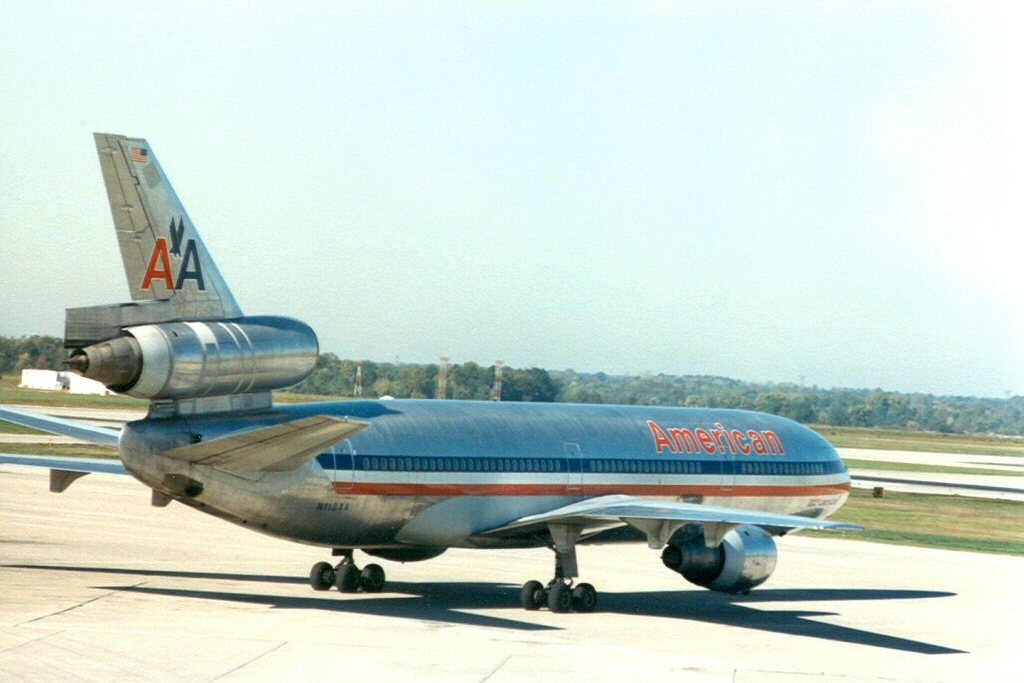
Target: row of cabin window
x: 421, y: 464
x: 794, y: 468
x: 645, y: 466
x: 696, y: 467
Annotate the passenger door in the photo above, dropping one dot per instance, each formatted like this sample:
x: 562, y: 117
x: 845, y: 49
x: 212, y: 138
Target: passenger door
x: 574, y: 467
x: 343, y: 474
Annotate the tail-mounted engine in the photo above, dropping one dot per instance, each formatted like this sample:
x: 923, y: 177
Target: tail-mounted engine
x: 744, y: 559
x: 184, y: 360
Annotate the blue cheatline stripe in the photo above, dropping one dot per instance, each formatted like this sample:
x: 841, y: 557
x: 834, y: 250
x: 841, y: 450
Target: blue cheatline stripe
x: 403, y: 463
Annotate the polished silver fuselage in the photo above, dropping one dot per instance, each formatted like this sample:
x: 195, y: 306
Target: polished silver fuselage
x: 437, y: 474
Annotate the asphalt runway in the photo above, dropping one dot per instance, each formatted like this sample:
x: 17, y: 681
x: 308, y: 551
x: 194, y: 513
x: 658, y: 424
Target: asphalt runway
x: 99, y: 586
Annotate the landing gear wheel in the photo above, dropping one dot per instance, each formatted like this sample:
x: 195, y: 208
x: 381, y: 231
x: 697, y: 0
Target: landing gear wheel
x: 321, y: 576
x: 531, y: 597
x: 559, y: 597
x: 347, y: 578
x: 584, y: 598
x: 372, y: 578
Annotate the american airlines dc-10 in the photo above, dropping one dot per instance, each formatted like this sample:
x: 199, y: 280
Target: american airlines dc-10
x: 406, y: 479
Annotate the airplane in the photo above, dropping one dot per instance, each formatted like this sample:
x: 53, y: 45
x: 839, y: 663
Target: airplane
x: 405, y: 480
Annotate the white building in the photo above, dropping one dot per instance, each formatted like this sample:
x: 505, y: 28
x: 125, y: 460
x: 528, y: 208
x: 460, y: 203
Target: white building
x: 47, y: 380
x: 56, y: 380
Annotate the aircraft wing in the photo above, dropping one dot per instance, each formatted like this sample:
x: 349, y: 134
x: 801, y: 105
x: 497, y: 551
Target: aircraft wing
x: 66, y: 464
x: 657, y: 518
x: 63, y: 470
x: 279, y: 448
x: 55, y: 425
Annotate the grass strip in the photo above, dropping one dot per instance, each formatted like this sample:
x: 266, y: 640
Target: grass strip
x: 855, y: 464
x: 11, y: 428
x: 896, y: 440
x: 64, y: 450
x: 935, y: 521
x: 63, y: 399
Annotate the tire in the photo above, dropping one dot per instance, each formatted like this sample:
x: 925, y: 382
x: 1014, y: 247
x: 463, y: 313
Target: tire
x: 347, y: 578
x: 372, y: 578
x: 584, y: 598
x: 531, y: 597
x: 321, y: 576
x: 559, y: 598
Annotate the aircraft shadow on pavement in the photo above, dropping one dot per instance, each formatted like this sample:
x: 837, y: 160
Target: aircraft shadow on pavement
x: 733, y: 610
x: 440, y: 602
x: 453, y: 602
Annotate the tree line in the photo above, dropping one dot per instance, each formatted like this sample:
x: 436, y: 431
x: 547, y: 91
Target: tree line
x: 335, y: 376
x: 468, y: 381
x: 35, y: 352
x: 839, y: 407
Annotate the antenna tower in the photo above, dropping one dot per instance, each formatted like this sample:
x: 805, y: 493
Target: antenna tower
x: 442, y: 378
x: 496, y: 393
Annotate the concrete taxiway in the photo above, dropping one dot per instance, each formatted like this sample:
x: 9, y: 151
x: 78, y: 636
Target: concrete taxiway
x: 99, y: 586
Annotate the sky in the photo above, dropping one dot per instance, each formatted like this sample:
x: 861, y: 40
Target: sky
x: 825, y: 193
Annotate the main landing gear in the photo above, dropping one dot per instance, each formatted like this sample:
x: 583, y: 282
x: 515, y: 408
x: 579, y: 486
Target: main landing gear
x: 559, y: 594
x: 346, y: 576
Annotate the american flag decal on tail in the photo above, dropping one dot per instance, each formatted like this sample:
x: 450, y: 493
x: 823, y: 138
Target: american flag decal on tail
x: 139, y: 155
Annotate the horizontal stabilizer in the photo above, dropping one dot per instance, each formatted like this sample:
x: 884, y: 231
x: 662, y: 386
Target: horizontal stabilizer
x: 56, y: 425
x: 598, y: 512
x: 280, y: 448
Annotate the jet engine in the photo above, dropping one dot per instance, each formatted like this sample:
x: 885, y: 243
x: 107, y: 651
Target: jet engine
x: 743, y: 560
x: 182, y: 360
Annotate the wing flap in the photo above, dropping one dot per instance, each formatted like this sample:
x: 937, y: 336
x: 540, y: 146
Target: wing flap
x: 279, y: 448
x: 609, y: 510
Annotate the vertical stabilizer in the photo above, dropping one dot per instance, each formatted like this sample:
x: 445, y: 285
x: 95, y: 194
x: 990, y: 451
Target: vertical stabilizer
x: 164, y: 258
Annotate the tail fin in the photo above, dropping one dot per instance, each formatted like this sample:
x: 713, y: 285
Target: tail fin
x: 164, y: 258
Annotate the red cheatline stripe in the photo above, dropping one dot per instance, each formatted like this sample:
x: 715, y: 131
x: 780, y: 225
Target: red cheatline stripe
x: 447, y: 490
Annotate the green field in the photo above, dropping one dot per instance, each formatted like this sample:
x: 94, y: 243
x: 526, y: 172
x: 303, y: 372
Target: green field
x: 77, y: 450
x: 10, y: 393
x: 854, y: 464
x: 933, y: 442
x: 950, y: 522
x: 11, y: 428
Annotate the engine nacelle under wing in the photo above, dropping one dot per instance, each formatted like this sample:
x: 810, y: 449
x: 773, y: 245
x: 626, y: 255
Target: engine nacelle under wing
x: 182, y: 360
x: 745, y: 559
